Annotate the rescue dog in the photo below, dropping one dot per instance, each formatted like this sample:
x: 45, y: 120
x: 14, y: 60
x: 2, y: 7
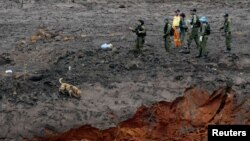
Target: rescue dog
x: 70, y: 89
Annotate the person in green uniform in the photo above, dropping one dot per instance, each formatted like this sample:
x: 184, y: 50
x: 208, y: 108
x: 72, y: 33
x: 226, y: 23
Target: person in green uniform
x: 227, y: 30
x: 166, y: 36
x: 204, y: 33
x: 194, y: 35
x: 183, y: 28
x: 140, y: 31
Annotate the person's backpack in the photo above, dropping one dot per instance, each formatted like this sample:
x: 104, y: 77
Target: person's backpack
x: 198, y: 23
x: 208, y: 30
x: 171, y: 31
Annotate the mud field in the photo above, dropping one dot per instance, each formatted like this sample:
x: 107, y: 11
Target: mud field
x: 41, y: 40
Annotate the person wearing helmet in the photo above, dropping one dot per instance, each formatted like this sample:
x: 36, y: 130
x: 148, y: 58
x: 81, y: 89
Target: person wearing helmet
x: 204, y: 33
x: 227, y: 26
x: 166, y: 36
x: 140, y: 31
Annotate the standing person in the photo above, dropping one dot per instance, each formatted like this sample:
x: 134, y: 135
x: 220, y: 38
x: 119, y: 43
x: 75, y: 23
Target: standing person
x: 183, y: 28
x: 205, y: 32
x: 176, y: 26
x: 140, y: 31
x: 227, y: 30
x: 166, y: 36
x: 194, y: 35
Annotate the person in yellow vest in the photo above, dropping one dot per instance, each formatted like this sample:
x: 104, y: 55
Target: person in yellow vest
x: 176, y: 26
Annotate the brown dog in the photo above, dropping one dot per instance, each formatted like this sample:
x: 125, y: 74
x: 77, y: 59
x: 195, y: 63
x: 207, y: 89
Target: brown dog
x: 70, y: 89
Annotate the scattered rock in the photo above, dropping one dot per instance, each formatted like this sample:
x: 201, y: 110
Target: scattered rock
x: 113, y: 65
x: 58, y: 38
x: 178, y: 77
x: 122, y: 6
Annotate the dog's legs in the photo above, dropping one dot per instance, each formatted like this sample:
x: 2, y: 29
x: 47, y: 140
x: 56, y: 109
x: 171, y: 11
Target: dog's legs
x: 75, y: 95
x: 61, y: 90
x: 70, y: 93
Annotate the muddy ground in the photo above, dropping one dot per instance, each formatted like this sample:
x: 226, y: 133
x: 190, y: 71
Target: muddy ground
x: 117, y: 80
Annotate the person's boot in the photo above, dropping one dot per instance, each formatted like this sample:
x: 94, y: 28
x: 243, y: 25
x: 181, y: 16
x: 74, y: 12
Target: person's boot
x: 205, y: 56
x: 166, y: 49
x: 199, y: 55
x: 187, y: 50
x: 227, y: 51
x: 182, y: 50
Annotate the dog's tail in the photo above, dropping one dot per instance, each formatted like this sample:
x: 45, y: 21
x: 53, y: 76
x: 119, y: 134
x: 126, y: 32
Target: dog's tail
x: 60, y: 80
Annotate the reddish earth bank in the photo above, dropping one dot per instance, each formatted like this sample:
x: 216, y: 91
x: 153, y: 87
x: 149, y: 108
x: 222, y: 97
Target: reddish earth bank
x: 184, y: 119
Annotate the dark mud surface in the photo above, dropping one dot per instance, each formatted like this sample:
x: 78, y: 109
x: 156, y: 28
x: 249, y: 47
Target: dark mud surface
x: 118, y: 80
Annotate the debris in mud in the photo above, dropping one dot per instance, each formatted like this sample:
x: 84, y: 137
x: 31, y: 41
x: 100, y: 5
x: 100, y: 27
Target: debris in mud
x: 8, y: 71
x: 186, y: 118
x: 5, y: 59
x: 106, y: 46
x: 132, y: 65
x: 43, y: 34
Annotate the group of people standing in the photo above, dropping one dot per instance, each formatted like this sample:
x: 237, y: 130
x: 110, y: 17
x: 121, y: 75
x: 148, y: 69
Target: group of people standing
x: 199, y: 31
